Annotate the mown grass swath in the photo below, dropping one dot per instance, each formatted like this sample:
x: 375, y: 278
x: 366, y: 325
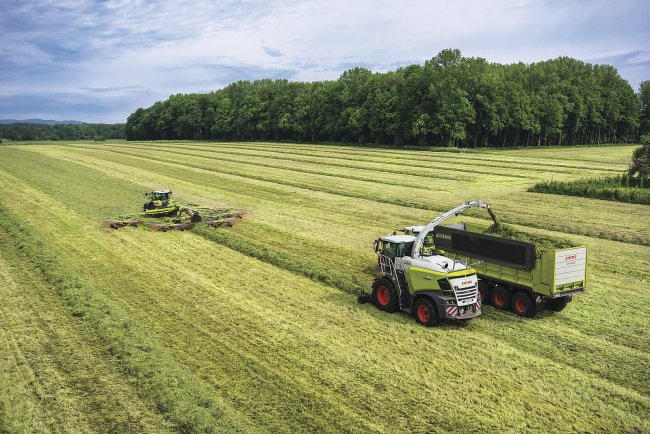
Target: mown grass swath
x: 438, y: 198
x: 177, y: 393
x: 257, y: 327
x: 616, y: 188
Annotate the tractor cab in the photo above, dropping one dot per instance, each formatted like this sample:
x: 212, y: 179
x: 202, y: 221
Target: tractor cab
x: 159, y: 201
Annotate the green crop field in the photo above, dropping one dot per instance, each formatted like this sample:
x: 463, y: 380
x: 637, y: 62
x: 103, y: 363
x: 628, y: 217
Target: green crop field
x: 256, y: 328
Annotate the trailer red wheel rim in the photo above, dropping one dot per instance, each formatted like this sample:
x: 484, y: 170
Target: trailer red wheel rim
x: 499, y: 299
x: 383, y: 295
x: 520, y: 305
x: 423, y: 313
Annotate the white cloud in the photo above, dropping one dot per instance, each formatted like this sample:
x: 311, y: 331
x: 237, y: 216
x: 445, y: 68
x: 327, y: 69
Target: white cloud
x: 161, y: 48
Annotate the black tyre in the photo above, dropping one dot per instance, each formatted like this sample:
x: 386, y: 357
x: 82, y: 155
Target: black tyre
x: 558, y: 304
x: 425, y: 312
x: 523, y: 304
x: 500, y: 297
x: 484, y: 291
x: 384, y: 295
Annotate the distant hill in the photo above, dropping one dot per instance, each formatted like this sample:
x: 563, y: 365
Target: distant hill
x: 39, y: 121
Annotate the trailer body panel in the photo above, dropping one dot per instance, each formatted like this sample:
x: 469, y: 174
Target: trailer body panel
x: 552, y: 272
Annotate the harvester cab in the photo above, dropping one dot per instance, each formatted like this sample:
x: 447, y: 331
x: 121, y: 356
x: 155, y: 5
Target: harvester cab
x: 416, y: 280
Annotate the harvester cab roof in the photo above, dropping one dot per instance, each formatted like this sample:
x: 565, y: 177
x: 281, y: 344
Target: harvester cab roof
x: 398, y: 238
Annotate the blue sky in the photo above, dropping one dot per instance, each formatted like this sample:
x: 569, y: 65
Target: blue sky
x: 97, y: 61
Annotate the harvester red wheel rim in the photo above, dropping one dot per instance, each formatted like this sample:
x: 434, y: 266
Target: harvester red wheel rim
x: 423, y: 313
x: 520, y: 305
x: 383, y: 295
x: 499, y: 299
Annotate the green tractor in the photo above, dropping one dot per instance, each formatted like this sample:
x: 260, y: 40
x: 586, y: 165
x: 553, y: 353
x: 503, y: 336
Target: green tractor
x: 160, y: 204
x: 162, y: 213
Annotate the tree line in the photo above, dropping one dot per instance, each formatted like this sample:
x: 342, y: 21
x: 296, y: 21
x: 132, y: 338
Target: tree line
x: 451, y: 100
x: 19, y: 132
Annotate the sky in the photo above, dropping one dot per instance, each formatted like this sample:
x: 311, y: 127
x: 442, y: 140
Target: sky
x: 98, y: 61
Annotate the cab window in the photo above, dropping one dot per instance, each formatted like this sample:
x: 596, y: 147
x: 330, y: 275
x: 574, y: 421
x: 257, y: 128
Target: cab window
x: 388, y: 249
x: 404, y: 249
x: 397, y: 250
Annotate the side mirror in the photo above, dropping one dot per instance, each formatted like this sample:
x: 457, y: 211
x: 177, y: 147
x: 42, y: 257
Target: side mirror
x: 375, y: 245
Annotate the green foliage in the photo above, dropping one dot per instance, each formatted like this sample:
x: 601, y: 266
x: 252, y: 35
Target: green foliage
x: 640, y: 165
x: 616, y: 188
x: 30, y: 132
x: 450, y: 101
x: 644, y: 99
x: 645, y: 139
x: 630, y: 187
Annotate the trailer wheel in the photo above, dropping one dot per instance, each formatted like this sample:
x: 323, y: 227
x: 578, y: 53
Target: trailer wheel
x: 384, y: 295
x: 500, y: 297
x: 425, y: 312
x: 558, y: 304
x: 484, y: 291
x: 523, y: 304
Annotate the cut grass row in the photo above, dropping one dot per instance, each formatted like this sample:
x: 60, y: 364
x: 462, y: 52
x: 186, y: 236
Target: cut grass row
x: 176, y: 393
x: 440, y: 170
x: 337, y: 225
x: 443, y: 163
x: 309, y: 222
x: 330, y: 346
x: 53, y: 370
x: 584, y: 157
x: 403, y: 178
x: 569, y: 218
x: 437, y: 158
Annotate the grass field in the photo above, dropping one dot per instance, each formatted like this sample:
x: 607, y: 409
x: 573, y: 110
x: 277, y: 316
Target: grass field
x: 257, y: 329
